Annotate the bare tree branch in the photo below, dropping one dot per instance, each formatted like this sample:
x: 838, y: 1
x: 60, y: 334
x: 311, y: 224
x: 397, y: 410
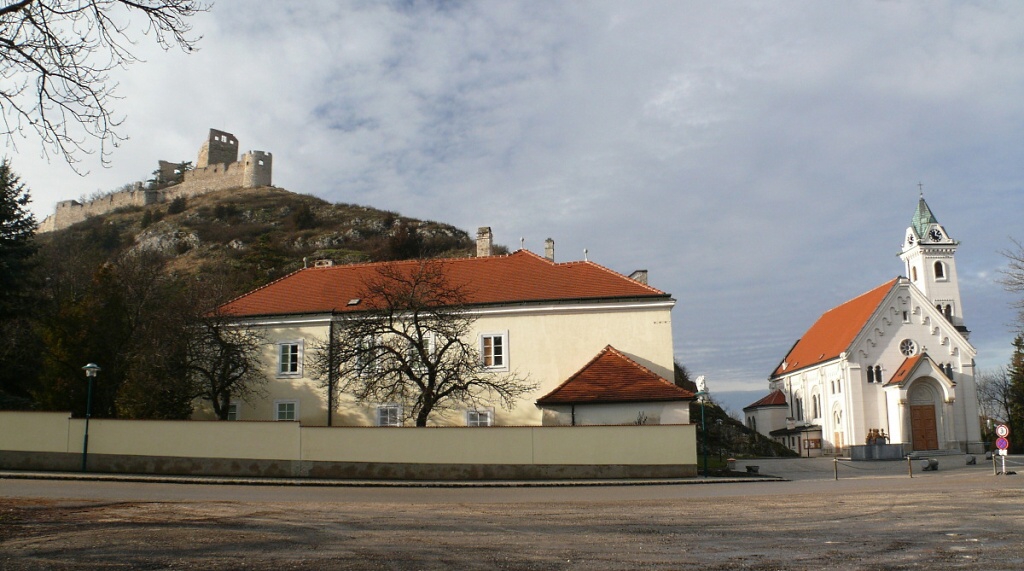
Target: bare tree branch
x: 413, y: 346
x: 55, y: 62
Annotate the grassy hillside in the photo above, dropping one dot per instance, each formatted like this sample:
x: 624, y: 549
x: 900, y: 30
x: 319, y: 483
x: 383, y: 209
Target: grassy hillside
x: 253, y: 236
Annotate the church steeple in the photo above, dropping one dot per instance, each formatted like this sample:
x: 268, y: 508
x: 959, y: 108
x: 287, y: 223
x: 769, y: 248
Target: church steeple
x: 928, y: 255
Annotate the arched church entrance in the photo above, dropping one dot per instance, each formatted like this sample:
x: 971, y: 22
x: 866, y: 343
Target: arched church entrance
x: 923, y: 426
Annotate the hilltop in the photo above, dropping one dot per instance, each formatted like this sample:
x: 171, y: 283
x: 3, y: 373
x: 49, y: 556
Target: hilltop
x: 255, y: 235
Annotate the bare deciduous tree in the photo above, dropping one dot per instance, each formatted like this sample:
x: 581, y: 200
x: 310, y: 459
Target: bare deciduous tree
x: 413, y: 345
x: 995, y: 394
x: 56, y: 57
x: 224, y: 362
x: 1013, y: 277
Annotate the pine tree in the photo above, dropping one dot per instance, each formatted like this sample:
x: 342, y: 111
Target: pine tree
x: 1016, y: 405
x: 17, y: 242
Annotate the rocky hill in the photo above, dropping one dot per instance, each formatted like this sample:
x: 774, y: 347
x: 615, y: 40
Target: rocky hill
x: 255, y: 235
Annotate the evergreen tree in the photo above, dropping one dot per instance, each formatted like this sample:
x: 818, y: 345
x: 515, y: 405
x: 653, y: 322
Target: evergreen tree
x: 17, y: 244
x: 1015, y: 408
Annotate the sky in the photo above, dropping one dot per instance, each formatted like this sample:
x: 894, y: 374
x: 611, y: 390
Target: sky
x: 762, y: 160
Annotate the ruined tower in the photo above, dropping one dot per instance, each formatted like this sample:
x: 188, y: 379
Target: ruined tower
x: 220, y: 147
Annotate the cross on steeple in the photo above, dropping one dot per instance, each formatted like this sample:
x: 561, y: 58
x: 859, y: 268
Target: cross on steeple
x: 920, y: 187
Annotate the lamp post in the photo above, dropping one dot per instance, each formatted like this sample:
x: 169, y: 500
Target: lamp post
x: 90, y: 373
x: 702, y: 394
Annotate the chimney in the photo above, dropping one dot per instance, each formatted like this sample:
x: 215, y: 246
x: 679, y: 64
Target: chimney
x: 483, y: 241
x: 549, y: 249
x: 640, y: 276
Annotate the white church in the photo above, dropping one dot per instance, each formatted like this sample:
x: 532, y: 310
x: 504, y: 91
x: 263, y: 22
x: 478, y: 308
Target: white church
x: 889, y: 372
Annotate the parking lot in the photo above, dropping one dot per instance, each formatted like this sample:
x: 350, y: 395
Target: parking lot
x: 959, y: 517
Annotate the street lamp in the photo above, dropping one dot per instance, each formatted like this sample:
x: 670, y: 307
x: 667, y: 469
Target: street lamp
x: 90, y: 373
x: 702, y: 394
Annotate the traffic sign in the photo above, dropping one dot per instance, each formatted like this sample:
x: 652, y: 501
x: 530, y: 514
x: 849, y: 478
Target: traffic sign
x: 1002, y: 443
x: 1002, y: 431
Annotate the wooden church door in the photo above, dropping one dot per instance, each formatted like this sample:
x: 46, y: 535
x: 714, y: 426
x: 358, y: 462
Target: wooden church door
x: 922, y: 427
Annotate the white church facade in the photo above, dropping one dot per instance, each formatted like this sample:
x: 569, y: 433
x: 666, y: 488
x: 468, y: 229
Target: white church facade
x: 892, y: 366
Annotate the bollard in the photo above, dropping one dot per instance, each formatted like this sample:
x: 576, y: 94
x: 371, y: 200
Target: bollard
x: 835, y: 466
x: 910, y: 466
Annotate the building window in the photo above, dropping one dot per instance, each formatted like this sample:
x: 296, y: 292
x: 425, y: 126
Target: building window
x: 940, y: 271
x: 871, y: 374
x: 289, y: 359
x: 906, y: 316
x: 494, y: 350
x: 816, y: 405
x: 878, y: 373
x: 480, y: 417
x: 798, y: 404
x: 286, y: 410
x: 389, y: 415
x: 233, y: 411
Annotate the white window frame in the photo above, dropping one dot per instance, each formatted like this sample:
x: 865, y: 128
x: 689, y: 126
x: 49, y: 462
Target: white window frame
x: 474, y: 415
x: 503, y: 336
x: 389, y: 406
x: 233, y: 409
x: 295, y: 409
x: 281, y: 361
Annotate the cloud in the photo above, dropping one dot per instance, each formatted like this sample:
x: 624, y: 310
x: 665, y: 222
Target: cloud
x: 761, y: 161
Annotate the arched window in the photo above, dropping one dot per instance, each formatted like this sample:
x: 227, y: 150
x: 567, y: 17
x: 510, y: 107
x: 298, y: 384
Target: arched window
x: 798, y: 403
x: 940, y: 271
x: 949, y: 370
x: 871, y: 374
x: 878, y: 373
x: 948, y: 311
x: 913, y: 273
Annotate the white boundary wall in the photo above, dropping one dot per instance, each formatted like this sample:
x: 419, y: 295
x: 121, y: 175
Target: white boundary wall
x: 628, y: 445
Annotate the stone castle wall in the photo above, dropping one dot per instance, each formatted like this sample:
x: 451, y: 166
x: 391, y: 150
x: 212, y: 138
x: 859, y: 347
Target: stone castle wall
x: 254, y: 169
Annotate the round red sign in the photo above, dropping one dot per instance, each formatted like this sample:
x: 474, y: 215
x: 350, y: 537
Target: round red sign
x: 1002, y: 443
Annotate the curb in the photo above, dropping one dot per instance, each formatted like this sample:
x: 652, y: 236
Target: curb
x: 232, y: 481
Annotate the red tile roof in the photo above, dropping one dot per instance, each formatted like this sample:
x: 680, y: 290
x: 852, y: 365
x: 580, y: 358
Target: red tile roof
x: 515, y: 278
x: 774, y: 398
x: 834, y: 331
x: 905, y: 369
x: 613, y: 377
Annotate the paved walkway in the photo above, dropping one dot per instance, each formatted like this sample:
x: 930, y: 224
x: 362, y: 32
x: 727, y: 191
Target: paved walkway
x: 826, y: 468
x: 768, y: 469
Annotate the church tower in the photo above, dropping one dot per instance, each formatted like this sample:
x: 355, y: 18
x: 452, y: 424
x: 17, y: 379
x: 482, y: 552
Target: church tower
x: 928, y: 256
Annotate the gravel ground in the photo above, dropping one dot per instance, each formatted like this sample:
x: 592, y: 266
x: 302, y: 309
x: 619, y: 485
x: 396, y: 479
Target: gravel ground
x: 963, y: 520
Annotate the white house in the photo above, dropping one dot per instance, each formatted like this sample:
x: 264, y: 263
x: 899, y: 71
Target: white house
x: 891, y: 365
x: 542, y: 319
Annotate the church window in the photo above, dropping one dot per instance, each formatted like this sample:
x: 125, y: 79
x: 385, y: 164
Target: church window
x: 906, y: 316
x: 948, y: 312
x: 908, y: 347
x: 878, y: 374
x: 949, y: 370
x: 839, y: 385
x: 940, y: 271
x: 913, y: 273
x: 871, y: 374
x: 816, y: 406
x: 833, y: 387
x: 798, y: 402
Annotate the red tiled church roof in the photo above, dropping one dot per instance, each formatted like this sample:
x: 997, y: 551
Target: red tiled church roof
x: 774, y: 398
x: 834, y: 331
x: 613, y: 377
x: 515, y: 278
x: 905, y: 369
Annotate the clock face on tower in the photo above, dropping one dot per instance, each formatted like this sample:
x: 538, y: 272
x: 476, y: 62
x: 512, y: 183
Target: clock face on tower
x: 910, y: 240
x: 935, y: 234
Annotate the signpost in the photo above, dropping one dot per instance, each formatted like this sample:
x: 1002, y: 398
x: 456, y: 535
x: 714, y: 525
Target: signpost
x: 1003, y: 443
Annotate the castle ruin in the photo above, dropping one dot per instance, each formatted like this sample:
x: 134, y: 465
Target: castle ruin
x: 218, y: 167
